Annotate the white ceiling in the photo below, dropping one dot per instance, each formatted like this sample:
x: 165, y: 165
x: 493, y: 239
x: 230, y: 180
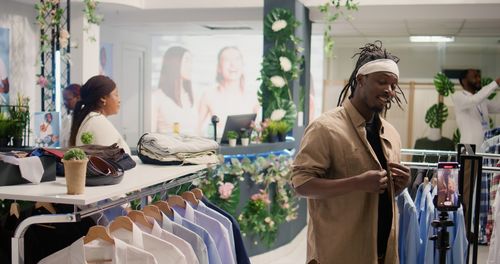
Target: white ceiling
x: 375, y: 18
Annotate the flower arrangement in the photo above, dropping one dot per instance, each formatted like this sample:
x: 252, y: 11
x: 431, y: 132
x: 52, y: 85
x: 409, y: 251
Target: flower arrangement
x: 19, y: 115
x: 263, y: 213
x: 280, y: 66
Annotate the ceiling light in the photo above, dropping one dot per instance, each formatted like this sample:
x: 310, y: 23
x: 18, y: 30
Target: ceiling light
x: 431, y: 39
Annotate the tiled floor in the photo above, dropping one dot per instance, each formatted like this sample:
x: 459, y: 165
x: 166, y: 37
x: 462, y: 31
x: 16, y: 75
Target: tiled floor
x: 295, y: 252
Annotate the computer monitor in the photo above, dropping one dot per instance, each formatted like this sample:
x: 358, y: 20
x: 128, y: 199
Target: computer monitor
x: 236, y: 123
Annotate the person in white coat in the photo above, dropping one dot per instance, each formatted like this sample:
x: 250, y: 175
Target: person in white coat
x: 472, y: 107
x: 99, y: 99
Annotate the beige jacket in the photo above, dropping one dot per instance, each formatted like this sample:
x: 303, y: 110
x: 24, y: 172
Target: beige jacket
x: 343, y: 229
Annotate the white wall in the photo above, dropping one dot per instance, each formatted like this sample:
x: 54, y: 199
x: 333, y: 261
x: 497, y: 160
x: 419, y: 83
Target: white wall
x: 20, y: 20
x: 417, y: 63
x: 121, y: 39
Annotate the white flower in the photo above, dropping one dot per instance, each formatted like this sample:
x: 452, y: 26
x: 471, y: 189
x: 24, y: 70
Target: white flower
x: 64, y: 34
x: 63, y: 38
x: 286, y: 64
x: 278, y: 114
x: 278, y: 81
x: 63, y: 43
x: 278, y: 25
x: 267, y: 219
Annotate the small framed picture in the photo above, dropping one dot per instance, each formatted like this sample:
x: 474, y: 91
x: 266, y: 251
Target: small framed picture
x: 47, y: 129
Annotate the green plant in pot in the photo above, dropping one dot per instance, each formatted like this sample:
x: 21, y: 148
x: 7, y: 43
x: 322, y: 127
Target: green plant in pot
x: 245, y: 137
x: 282, y: 128
x: 232, y: 136
x: 75, y: 170
x: 5, y: 130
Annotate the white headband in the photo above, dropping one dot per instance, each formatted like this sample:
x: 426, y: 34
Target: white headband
x: 380, y: 65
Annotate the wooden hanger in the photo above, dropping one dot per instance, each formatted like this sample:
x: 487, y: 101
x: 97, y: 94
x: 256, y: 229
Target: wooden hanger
x: 189, y: 196
x: 165, y: 208
x: 139, y: 217
x: 15, y: 210
x: 153, y: 211
x: 98, y: 232
x: 176, y: 200
x: 121, y: 222
x: 47, y: 206
x: 198, y: 193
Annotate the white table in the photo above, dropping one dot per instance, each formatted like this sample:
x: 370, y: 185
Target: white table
x: 147, y: 179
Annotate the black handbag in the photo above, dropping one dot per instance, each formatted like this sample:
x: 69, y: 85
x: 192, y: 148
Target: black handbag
x: 102, y: 171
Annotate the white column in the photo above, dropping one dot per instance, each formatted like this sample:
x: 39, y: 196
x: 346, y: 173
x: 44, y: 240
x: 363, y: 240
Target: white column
x: 84, y: 58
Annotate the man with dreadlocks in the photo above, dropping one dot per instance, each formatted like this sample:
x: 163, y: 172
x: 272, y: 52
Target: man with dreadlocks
x: 348, y: 168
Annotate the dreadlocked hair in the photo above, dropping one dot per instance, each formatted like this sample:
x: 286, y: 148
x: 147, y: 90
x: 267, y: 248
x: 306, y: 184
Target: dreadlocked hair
x: 370, y: 52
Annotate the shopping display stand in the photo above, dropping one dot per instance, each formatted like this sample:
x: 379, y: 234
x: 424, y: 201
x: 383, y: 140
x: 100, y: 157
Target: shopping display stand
x: 141, y: 181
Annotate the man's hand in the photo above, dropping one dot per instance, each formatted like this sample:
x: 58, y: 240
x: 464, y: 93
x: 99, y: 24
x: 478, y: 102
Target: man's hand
x: 373, y: 181
x: 400, y: 175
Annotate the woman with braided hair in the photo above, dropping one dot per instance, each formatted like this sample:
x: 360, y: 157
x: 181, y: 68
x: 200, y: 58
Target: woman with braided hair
x: 348, y: 167
x: 99, y: 99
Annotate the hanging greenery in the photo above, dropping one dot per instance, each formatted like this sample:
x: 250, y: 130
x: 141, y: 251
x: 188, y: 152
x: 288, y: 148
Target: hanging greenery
x: 281, y: 65
x: 332, y: 10
x: 91, y: 15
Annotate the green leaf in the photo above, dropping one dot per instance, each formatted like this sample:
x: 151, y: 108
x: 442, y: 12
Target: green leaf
x: 443, y: 84
x: 436, y: 115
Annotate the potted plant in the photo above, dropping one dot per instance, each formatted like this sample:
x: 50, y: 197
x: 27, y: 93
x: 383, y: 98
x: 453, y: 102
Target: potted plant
x: 272, y: 131
x: 232, y: 136
x: 5, y: 135
x: 75, y: 170
x: 282, y: 128
x: 245, y: 137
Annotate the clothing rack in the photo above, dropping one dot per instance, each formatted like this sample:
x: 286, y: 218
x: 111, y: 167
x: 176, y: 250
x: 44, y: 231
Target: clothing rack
x: 143, y: 180
x: 465, y: 155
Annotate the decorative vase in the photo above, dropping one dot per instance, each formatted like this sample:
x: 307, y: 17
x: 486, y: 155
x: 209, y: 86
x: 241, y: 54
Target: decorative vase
x: 232, y: 142
x: 75, y: 172
x: 282, y: 137
x: 245, y: 141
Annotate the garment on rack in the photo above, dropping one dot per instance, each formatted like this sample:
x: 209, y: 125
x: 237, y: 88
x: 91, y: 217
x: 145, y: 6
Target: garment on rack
x: 201, y: 207
x: 189, y: 236
x: 163, y: 251
x: 214, y: 228
x: 409, y: 240
x: 79, y: 253
x: 178, y: 242
x: 495, y: 182
x: 488, y: 190
x: 213, y: 254
x: 424, y: 217
x: 494, y: 249
x: 241, y: 253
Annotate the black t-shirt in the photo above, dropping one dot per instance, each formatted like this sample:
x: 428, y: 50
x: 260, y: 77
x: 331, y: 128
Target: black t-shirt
x: 384, y: 204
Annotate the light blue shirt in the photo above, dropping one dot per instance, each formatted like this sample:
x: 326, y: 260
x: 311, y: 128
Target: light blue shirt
x: 203, y: 208
x: 431, y: 255
x: 409, y: 241
x: 459, y: 238
x: 425, y: 209
x: 196, y: 242
x: 213, y: 254
x: 214, y: 228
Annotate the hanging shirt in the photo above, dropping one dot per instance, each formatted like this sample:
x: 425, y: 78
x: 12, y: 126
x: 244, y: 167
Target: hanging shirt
x: 494, y: 250
x: 80, y: 253
x: 459, y: 241
x: 425, y: 211
x: 472, y: 113
x: 180, y: 244
x: 189, y: 236
x: 163, y: 251
x: 409, y: 240
x: 213, y: 254
x: 201, y: 207
x: 241, y: 253
x: 214, y: 228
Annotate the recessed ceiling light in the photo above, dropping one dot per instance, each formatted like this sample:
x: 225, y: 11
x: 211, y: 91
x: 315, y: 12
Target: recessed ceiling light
x: 431, y: 39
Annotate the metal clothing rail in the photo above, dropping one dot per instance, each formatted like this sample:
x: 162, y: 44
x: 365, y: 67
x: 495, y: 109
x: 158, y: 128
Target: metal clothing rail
x: 423, y: 152
x: 18, y: 238
x: 427, y: 165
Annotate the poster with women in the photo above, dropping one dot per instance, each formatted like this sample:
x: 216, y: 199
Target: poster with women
x: 47, y: 129
x: 196, y: 77
x: 4, y: 66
